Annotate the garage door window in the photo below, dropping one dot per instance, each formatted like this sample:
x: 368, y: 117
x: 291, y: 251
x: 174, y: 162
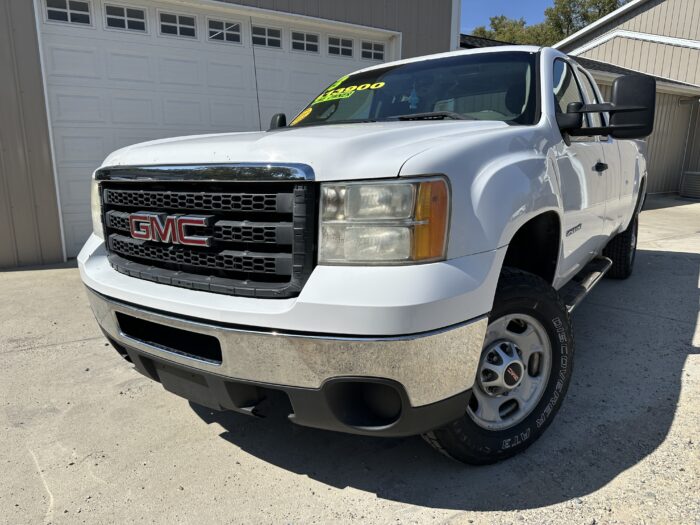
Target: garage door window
x: 178, y: 25
x: 128, y: 18
x: 73, y: 11
x: 304, y: 42
x: 339, y: 46
x: 267, y: 36
x: 373, y: 50
x: 224, y: 31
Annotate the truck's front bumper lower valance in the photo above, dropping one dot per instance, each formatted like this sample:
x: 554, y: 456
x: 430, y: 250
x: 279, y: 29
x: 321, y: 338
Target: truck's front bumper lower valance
x: 397, y: 385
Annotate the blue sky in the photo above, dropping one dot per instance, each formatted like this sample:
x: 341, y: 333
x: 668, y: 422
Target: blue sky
x: 477, y: 12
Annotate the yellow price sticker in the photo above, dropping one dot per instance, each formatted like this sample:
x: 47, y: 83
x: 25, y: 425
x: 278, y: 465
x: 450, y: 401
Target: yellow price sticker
x: 301, y: 116
x: 345, y: 92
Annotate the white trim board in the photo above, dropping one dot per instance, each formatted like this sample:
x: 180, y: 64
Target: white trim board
x: 455, y: 25
x: 634, y: 35
x: 598, y: 23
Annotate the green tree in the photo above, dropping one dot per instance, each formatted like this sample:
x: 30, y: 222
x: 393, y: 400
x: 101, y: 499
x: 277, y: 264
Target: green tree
x: 564, y: 18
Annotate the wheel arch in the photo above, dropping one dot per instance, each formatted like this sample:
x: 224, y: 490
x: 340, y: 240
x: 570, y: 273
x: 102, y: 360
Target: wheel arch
x: 535, y: 246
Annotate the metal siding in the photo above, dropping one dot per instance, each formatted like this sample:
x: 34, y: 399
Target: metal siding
x: 30, y: 233
x: 666, y: 146
x: 662, y: 60
x: 693, y: 154
x: 674, y: 18
x: 671, y: 18
x: 425, y: 26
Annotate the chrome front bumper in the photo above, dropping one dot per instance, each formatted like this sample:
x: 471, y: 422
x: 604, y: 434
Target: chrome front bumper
x: 430, y: 366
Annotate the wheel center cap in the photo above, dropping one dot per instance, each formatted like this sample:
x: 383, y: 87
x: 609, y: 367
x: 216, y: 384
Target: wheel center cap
x: 512, y: 375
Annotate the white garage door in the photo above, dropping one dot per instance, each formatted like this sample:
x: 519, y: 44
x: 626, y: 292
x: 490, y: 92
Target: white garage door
x: 117, y: 74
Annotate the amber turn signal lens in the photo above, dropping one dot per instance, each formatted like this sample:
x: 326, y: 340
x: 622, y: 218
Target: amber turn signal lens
x: 432, y: 211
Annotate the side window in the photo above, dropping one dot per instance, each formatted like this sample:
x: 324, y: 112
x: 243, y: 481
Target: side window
x: 566, y: 88
x: 596, y: 118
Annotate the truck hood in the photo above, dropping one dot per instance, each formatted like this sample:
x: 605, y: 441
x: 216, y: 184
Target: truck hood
x: 335, y: 152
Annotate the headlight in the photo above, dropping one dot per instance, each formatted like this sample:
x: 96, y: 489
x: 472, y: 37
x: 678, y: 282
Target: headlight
x: 396, y: 222
x: 96, y: 209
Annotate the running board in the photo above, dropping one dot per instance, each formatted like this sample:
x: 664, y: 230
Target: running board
x: 573, y: 292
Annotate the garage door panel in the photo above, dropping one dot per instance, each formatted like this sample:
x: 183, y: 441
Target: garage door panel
x: 182, y: 111
x: 179, y: 71
x: 73, y: 62
x: 85, y: 147
x: 75, y: 106
x: 135, y: 110
x: 108, y: 89
x: 230, y: 75
x: 130, y: 67
x: 234, y: 114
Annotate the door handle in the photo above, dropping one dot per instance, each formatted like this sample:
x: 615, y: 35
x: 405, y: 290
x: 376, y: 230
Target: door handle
x: 600, y: 167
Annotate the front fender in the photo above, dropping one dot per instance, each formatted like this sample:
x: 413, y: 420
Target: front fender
x: 498, y: 184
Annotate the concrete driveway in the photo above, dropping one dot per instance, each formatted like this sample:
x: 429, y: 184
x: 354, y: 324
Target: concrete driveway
x: 84, y: 438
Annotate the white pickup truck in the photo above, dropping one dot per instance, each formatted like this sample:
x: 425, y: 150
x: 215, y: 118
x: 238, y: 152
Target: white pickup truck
x: 401, y: 259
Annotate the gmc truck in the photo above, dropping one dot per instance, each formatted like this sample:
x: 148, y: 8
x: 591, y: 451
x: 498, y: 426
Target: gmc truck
x: 402, y: 258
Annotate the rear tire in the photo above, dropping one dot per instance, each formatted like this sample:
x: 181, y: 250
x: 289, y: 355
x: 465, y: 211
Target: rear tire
x: 529, y: 336
x: 622, y: 250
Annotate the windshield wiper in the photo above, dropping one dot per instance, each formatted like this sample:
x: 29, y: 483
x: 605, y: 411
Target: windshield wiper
x: 329, y: 122
x: 432, y: 115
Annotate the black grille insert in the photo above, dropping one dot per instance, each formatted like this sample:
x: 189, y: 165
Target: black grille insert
x: 184, y: 342
x: 262, y: 235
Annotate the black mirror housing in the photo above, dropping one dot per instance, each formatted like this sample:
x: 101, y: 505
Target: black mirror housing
x: 633, y: 91
x: 279, y: 120
x: 572, y: 119
x: 632, y: 109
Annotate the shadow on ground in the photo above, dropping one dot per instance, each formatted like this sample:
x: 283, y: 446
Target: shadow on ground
x: 633, y: 338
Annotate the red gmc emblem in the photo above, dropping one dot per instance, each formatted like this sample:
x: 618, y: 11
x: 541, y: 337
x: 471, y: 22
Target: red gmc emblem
x: 168, y: 228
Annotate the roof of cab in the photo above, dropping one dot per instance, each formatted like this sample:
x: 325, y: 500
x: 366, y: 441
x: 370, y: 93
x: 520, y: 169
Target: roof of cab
x: 498, y: 49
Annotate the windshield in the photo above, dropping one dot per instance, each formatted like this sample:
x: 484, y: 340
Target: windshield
x: 485, y: 86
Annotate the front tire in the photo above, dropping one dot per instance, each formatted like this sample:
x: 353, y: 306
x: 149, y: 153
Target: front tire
x: 523, y: 374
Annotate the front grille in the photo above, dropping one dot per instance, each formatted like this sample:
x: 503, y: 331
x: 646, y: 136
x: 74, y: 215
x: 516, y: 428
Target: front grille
x: 262, y: 235
x: 201, y: 201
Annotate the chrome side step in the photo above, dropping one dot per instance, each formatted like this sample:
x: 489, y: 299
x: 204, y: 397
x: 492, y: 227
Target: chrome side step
x: 573, y: 292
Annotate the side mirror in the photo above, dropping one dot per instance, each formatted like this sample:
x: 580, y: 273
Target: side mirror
x: 635, y: 98
x: 572, y: 119
x: 279, y: 120
x: 631, y: 111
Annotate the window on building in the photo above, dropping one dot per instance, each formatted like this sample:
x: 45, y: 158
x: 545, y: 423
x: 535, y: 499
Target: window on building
x: 339, y: 46
x: 373, y: 50
x: 178, y: 25
x: 72, y: 11
x: 129, y: 18
x: 267, y: 36
x: 224, y: 31
x: 304, y: 42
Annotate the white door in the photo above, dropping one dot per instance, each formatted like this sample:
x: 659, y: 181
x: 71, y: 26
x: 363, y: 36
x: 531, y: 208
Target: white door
x: 118, y: 73
x: 583, y: 188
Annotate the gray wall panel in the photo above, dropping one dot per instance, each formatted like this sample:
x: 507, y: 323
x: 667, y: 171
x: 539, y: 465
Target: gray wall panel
x: 30, y: 233
x: 425, y: 25
x: 693, y: 153
x: 666, y: 147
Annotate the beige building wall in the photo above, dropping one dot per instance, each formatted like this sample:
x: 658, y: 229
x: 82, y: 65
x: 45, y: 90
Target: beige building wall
x: 669, y: 146
x: 29, y: 220
x: 661, y: 60
x: 678, y: 19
